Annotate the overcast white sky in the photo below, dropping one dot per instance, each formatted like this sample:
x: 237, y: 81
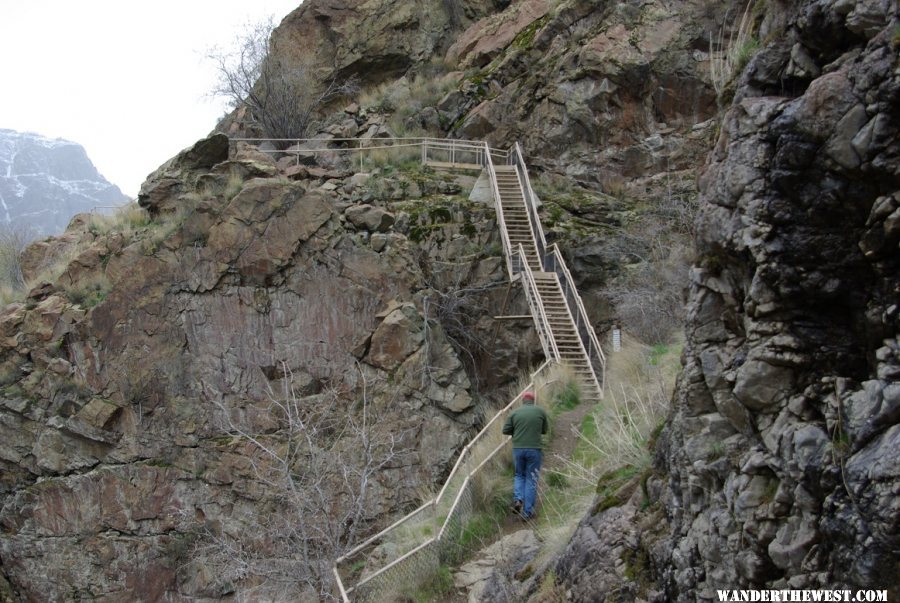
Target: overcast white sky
x: 125, y: 79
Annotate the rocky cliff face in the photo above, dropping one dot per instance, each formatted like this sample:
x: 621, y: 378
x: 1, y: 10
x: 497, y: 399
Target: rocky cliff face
x: 776, y: 468
x: 44, y: 182
x: 596, y: 91
x: 142, y: 389
x: 613, y: 99
x: 127, y: 406
x: 251, y: 311
x: 375, y: 41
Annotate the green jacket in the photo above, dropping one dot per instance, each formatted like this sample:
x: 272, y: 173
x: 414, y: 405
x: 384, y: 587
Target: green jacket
x: 526, y: 424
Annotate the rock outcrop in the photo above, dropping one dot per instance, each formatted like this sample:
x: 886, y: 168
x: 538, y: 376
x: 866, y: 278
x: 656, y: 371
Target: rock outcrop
x: 775, y: 470
x: 594, y: 91
x: 373, y: 41
x: 135, y: 415
x: 44, y: 182
x: 500, y: 569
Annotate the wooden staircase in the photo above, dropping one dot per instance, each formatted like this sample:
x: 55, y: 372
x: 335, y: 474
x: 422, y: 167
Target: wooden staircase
x: 515, y: 214
x: 565, y: 334
x: 562, y: 328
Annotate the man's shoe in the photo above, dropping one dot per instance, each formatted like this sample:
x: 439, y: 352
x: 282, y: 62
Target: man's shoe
x: 517, y: 507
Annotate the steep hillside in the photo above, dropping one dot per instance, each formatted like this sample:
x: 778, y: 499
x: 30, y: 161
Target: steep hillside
x: 214, y: 394
x: 612, y: 102
x: 143, y: 384
x: 44, y: 182
x: 150, y: 393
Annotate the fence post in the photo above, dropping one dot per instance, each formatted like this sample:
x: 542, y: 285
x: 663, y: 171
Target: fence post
x: 435, y: 523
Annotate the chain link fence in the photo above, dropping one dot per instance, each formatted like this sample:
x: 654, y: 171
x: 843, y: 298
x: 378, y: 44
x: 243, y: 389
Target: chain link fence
x: 401, y: 577
x: 408, y: 554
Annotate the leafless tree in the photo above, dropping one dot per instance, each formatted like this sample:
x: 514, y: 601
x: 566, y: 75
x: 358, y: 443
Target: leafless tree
x: 316, y: 475
x: 282, y: 99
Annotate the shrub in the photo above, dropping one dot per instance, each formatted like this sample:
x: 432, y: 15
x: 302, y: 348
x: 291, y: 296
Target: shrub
x: 233, y: 186
x: 282, y: 99
x: 13, y: 241
x: 90, y: 291
x: 656, y: 252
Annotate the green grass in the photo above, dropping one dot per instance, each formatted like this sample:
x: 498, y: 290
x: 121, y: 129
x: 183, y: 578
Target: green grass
x: 90, y: 291
x: 480, y: 530
x: 745, y: 53
x: 656, y: 353
x: 568, y: 398
x: 435, y: 587
x: 356, y: 568
x: 585, y: 454
x: 557, y: 480
x: 525, y: 38
x: 609, y: 486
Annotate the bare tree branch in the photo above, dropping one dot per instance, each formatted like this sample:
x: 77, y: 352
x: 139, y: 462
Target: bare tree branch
x: 282, y: 100
x: 317, y: 474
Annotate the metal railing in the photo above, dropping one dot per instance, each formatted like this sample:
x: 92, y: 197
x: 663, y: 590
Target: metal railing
x: 554, y: 262
x: 439, y: 150
x: 508, y: 251
x: 517, y: 160
x: 538, y: 313
x: 435, y: 151
x: 447, y: 514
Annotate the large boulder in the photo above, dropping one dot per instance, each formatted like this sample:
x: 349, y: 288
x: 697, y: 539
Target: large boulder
x: 178, y: 175
x: 370, y: 218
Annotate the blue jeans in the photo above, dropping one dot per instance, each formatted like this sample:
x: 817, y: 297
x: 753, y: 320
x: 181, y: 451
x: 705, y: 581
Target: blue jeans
x: 527, y: 463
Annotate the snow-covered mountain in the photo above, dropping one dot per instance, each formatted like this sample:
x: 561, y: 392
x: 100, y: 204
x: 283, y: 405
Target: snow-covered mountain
x: 44, y: 182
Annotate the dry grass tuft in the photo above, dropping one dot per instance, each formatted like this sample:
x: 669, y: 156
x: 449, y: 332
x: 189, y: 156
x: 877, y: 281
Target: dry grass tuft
x: 126, y: 220
x: 640, y: 380
x: 734, y: 53
x: 89, y: 291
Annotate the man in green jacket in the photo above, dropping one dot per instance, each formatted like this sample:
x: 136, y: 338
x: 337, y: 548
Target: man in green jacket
x: 526, y: 425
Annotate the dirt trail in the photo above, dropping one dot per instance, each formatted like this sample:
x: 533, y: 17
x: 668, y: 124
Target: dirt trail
x: 556, y: 453
x: 560, y: 447
x: 564, y: 439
